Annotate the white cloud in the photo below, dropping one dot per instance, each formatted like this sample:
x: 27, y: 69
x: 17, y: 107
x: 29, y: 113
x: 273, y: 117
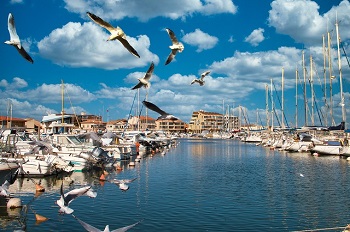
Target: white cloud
x: 52, y: 92
x: 17, y: 83
x: 300, y: 19
x: 200, y: 39
x: 23, y: 109
x: 179, y: 9
x: 85, y: 45
x: 256, y: 37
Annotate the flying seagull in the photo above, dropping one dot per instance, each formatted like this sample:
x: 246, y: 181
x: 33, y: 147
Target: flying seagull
x: 5, y: 186
x: 67, y: 198
x: 90, y: 228
x: 116, y: 33
x: 175, y: 47
x: 14, y: 39
x: 123, y: 183
x: 145, y: 80
x: 163, y: 114
x: 200, y: 80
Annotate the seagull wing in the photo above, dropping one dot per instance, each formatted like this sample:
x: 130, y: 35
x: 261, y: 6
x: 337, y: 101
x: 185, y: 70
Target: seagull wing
x: 172, y: 36
x: 129, y: 180
x: 149, y: 72
x: 87, y: 226
x: 194, y: 81
x: 125, y: 228
x: 71, y: 195
x: 155, y: 108
x: 204, y: 74
x: 24, y: 54
x: 100, y: 21
x: 139, y: 85
x: 171, y: 56
x: 12, y: 28
x: 128, y: 46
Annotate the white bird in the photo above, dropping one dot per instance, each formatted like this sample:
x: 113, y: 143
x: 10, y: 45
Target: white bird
x: 5, y: 186
x: 90, y: 228
x: 123, y: 183
x: 67, y: 198
x: 163, y: 114
x: 200, y: 80
x: 145, y: 80
x: 116, y: 33
x: 14, y: 39
x: 301, y: 175
x: 175, y: 47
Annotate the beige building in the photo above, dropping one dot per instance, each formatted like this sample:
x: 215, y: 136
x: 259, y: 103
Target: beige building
x: 211, y: 121
x: 92, y: 125
x: 117, y: 125
x: 171, y: 126
x: 10, y: 122
x: 32, y: 125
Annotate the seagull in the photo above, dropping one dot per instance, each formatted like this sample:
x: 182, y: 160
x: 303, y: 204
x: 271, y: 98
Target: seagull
x: 200, y: 80
x: 116, y: 33
x: 14, y: 39
x: 163, y: 114
x: 123, y: 183
x: 5, y: 186
x: 175, y: 47
x: 67, y: 198
x: 90, y: 228
x: 145, y: 80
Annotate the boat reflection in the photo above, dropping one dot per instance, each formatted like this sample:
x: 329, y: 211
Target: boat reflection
x: 10, y: 217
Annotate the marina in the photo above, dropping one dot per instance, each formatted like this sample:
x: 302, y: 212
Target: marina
x: 197, y: 185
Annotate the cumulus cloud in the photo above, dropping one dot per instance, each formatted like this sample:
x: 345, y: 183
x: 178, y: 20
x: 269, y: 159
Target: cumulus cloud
x: 17, y: 83
x: 301, y: 20
x: 200, y: 39
x: 23, y: 109
x: 179, y: 9
x: 268, y: 65
x: 256, y: 37
x: 52, y: 92
x: 85, y: 45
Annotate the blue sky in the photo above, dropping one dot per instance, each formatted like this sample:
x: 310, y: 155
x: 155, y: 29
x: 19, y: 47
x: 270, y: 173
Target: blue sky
x: 244, y: 44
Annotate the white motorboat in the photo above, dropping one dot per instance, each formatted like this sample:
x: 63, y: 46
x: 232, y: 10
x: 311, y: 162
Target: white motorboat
x: 330, y: 147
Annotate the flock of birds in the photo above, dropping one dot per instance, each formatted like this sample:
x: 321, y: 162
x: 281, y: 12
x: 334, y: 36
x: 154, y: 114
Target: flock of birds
x: 67, y: 198
x: 116, y: 33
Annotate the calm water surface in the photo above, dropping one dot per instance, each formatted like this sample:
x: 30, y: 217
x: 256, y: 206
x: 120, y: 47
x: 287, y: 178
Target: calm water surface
x: 201, y: 185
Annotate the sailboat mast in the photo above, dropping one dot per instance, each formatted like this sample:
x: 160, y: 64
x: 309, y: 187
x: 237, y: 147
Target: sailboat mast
x: 283, y: 126
x: 305, y: 99
x: 330, y: 78
x: 324, y: 77
x: 267, y: 106
x: 272, y: 106
x: 296, y: 98
x: 340, y: 75
x: 312, y: 94
x: 62, y: 100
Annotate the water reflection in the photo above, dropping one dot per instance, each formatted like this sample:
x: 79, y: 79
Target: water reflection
x: 202, y: 185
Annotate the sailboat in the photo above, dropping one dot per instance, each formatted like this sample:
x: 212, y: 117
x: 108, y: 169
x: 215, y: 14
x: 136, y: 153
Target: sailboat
x: 335, y: 146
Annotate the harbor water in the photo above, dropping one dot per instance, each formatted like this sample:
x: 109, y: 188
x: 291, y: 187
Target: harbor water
x: 199, y: 185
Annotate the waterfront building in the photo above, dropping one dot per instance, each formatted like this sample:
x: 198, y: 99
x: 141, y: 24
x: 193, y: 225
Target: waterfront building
x: 10, y: 122
x: 211, y: 121
x: 171, y: 126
